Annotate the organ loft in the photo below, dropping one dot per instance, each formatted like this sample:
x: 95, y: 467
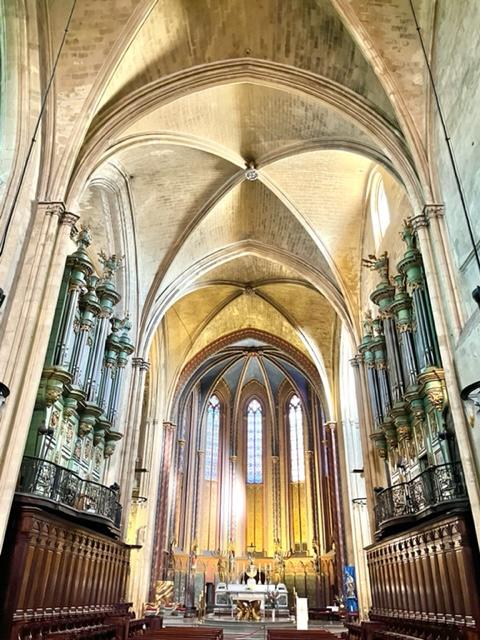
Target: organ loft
x: 239, y: 319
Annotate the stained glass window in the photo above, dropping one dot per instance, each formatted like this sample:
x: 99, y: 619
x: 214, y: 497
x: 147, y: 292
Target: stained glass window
x: 254, y: 442
x: 211, y: 439
x: 297, y: 455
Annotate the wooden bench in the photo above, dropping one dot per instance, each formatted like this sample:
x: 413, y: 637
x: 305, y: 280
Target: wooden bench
x: 185, y: 633
x: 307, y: 634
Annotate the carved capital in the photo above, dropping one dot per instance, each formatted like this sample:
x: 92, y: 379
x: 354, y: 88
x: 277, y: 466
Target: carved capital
x: 169, y: 426
x: 52, y: 208
x: 69, y: 219
x: 356, y: 360
x: 433, y: 211
x: 142, y: 364
x: 419, y: 221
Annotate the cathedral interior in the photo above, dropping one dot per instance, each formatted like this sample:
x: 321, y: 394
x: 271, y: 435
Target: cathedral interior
x: 239, y: 319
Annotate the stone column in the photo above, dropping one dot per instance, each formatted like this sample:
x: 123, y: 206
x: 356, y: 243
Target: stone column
x: 370, y: 458
x: 331, y: 432
x: 26, y: 327
x: 233, y: 523
x: 164, y: 496
x: 435, y: 214
x: 131, y: 436
x: 362, y: 538
x: 472, y: 479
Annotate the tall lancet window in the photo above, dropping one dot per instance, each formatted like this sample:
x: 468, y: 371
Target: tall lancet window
x: 297, y: 454
x: 211, y: 439
x: 254, y: 442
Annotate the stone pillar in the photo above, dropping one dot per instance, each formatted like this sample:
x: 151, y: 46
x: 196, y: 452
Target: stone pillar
x: 25, y: 329
x: 421, y: 224
x: 435, y: 214
x: 131, y: 436
x: 164, y: 496
x: 233, y: 523
x: 362, y: 537
x: 370, y: 458
x: 331, y: 432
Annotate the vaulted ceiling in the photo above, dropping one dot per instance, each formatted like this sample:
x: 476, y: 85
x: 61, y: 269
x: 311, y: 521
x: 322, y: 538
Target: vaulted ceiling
x: 161, y: 104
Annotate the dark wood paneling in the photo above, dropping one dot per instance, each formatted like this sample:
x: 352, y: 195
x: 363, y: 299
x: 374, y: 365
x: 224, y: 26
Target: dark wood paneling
x: 428, y: 574
x: 49, y: 565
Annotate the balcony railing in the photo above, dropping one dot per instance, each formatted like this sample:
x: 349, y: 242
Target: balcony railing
x: 65, y: 488
x: 433, y: 490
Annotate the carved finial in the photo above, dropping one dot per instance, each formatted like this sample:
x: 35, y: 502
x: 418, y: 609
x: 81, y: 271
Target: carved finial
x: 126, y: 323
x: 407, y: 234
x: 84, y: 236
x: 368, y: 324
x: 110, y: 264
x: 379, y: 264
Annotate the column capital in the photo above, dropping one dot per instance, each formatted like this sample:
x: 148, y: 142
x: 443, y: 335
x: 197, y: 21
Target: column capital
x: 356, y: 360
x: 433, y: 210
x: 69, y: 219
x: 169, y: 426
x: 421, y: 220
x: 142, y: 364
x: 55, y: 208
x: 332, y: 425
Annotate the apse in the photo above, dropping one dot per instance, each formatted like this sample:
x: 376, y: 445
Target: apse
x: 254, y: 473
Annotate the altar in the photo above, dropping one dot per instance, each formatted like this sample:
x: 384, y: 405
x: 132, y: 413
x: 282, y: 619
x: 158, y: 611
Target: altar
x: 232, y: 598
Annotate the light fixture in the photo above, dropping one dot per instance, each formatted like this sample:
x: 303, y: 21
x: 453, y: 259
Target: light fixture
x: 250, y: 172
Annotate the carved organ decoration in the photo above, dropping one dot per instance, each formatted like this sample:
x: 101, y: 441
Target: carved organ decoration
x: 405, y: 378
x: 75, y: 419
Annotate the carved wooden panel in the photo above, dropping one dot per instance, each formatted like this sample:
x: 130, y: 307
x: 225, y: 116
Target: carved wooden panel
x: 51, y: 566
x: 430, y: 573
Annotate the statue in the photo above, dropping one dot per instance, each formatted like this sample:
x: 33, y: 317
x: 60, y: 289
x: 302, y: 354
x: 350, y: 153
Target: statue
x: 231, y: 564
x: 317, y: 561
x: 279, y: 563
x: 351, y: 600
x: 193, y: 556
x: 379, y: 264
x: 221, y: 568
x: 110, y: 264
x: 171, y: 558
x: 368, y: 324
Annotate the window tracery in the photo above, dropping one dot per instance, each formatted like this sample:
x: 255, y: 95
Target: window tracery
x: 297, y: 451
x: 254, y: 442
x: 211, y: 438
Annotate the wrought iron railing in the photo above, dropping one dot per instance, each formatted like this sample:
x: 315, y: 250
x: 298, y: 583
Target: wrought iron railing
x: 62, y: 486
x: 435, y: 487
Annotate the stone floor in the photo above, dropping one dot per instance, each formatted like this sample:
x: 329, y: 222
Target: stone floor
x: 234, y: 630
